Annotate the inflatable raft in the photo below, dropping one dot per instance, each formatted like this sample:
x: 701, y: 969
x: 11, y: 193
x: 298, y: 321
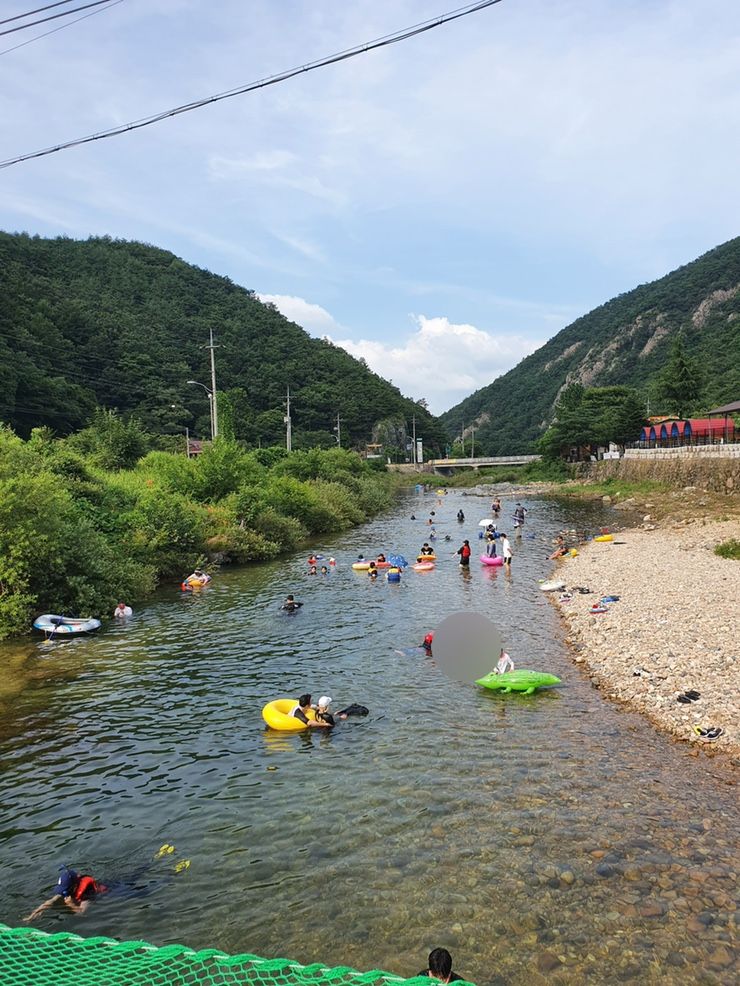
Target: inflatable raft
x: 556, y: 585
x: 276, y: 715
x: 496, y: 560
x: 364, y: 566
x: 65, y: 625
x: 423, y: 566
x: 426, y: 557
x: 517, y: 681
x: 604, y: 537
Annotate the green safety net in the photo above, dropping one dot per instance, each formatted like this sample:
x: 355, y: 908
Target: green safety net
x: 34, y: 958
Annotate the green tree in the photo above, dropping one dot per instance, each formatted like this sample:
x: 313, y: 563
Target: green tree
x: 593, y: 417
x: 678, y: 387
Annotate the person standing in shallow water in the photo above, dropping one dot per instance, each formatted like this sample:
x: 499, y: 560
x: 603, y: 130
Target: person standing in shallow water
x: 464, y: 553
x: 506, y: 551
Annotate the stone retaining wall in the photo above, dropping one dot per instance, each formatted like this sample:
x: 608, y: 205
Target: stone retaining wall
x: 720, y: 475
x: 686, y: 452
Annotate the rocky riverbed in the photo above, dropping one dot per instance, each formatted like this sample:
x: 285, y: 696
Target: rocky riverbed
x: 673, y: 630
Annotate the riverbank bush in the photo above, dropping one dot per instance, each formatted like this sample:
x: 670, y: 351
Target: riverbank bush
x: 75, y: 537
x: 729, y: 549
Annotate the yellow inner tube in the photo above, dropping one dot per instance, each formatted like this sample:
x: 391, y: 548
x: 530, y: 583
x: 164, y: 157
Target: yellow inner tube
x: 426, y: 557
x: 604, y: 537
x: 276, y: 715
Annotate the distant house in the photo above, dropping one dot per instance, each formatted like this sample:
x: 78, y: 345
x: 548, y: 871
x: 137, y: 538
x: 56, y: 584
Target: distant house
x: 194, y: 447
x: 671, y: 432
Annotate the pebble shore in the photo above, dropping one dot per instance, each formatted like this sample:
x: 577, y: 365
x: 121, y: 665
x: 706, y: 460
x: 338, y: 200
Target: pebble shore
x: 675, y: 627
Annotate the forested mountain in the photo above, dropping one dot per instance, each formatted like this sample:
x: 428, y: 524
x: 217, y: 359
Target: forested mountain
x: 626, y: 341
x: 123, y: 325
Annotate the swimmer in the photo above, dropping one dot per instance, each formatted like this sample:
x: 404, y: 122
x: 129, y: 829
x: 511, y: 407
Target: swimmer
x: 440, y: 967
x: 312, y: 570
x: 324, y: 570
x: 199, y: 576
x: 299, y: 712
x: 291, y: 604
x: 323, y: 714
x: 76, y: 890
x: 122, y: 611
x: 372, y: 571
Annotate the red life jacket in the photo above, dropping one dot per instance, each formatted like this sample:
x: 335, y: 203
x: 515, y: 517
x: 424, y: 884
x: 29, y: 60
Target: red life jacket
x: 85, y: 888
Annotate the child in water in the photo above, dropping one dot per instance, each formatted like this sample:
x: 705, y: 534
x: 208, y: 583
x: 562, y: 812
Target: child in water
x: 505, y: 663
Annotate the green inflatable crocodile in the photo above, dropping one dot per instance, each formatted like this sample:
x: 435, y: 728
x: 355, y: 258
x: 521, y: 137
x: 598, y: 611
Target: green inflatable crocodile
x: 518, y: 681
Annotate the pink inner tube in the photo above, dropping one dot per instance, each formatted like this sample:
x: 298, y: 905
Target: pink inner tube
x: 498, y: 560
x: 423, y: 566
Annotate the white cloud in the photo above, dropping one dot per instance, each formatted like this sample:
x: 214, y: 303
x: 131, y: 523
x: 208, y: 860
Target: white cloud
x: 264, y: 161
x: 304, y: 247
x: 313, y: 318
x: 442, y: 361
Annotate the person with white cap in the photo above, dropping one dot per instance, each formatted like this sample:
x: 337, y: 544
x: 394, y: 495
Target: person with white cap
x: 322, y: 711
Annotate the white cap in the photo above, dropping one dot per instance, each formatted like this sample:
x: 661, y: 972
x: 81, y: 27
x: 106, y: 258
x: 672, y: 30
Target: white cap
x: 324, y: 702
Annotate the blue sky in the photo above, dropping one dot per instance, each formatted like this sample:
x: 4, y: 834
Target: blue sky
x: 440, y: 207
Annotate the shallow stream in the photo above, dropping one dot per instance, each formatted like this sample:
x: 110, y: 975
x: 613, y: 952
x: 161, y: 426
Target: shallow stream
x: 551, y: 837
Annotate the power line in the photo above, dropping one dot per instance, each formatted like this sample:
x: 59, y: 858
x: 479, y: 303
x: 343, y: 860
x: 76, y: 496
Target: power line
x: 38, y: 10
x: 386, y: 40
x: 61, y: 27
x: 53, y: 17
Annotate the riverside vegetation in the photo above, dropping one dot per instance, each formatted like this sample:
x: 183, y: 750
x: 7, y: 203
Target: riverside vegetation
x: 78, y: 532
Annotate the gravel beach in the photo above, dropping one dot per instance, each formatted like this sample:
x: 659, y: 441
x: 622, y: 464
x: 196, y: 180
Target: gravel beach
x: 674, y: 629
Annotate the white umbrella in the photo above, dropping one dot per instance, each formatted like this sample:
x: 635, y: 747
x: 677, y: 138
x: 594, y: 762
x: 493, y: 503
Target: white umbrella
x: 485, y: 522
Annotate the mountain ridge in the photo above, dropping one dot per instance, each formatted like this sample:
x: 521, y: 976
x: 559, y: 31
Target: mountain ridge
x: 623, y: 341
x: 123, y: 324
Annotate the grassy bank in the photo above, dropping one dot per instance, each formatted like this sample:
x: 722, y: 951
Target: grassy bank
x: 77, y: 536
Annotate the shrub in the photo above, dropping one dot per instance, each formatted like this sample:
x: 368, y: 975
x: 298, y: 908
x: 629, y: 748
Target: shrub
x: 729, y: 549
x: 240, y: 544
x: 286, y: 532
x: 166, y: 529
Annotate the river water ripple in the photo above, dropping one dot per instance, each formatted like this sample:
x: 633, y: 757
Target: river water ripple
x: 548, y: 837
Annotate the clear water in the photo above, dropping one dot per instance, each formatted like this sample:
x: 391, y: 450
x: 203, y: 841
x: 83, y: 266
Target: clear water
x: 544, y: 836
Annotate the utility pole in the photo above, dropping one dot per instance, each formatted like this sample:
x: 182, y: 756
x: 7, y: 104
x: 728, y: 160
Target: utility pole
x: 187, y: 442
x: 286, y: 419
x: 213, y: 386
x: 472, y: 441
x: 413, y: 425
x: 338, y: 430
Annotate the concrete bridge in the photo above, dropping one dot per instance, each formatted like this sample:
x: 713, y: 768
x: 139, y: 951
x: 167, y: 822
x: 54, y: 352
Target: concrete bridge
x: 445, y: 467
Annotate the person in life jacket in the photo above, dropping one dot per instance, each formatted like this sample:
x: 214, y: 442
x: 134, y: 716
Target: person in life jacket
x: 464, y: 553
x: 75, y: 889
x: 427, y: 642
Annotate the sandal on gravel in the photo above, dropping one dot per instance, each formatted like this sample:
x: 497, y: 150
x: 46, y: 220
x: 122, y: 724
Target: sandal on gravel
x: 693, y: 695
x: 684, y: 700
x: 712, y: 733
